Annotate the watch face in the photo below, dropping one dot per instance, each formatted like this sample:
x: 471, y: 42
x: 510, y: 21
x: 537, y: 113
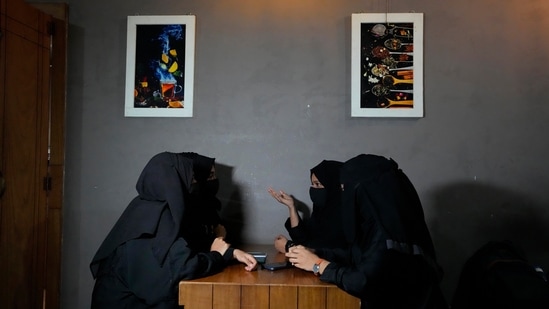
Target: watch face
x: 316, y: 268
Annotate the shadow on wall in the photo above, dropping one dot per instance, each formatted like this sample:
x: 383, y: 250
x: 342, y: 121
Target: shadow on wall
x: 471, y: 214
x: 232, y: 211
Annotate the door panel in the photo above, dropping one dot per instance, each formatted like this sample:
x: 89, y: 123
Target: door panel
x: 25, y: 101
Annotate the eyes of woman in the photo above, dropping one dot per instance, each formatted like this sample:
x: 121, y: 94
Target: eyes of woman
x: 212, y: 175
x: 315, y: 183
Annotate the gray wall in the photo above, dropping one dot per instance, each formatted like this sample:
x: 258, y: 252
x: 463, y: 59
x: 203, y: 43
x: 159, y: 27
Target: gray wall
x: 272, y: 99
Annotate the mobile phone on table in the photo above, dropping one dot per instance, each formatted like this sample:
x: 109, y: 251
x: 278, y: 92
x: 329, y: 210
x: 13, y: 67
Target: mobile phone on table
x: 260, y: 257
x: 276, y: 265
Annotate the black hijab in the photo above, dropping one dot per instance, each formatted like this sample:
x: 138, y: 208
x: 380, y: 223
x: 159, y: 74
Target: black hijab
x: 376, y: 189
x: 327, y: 173
x: 202, y: 165
x: 158, y: 210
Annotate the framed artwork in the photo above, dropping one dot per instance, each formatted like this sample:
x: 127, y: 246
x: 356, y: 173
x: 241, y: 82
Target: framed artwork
x: 387, y: 65
x: 160, y: 66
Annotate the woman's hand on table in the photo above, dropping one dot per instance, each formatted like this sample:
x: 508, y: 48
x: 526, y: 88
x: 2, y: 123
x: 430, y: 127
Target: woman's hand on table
x: 303, y: 258
x: 245, y: 258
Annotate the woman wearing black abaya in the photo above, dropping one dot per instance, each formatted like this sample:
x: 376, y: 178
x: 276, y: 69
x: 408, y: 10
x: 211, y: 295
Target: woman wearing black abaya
x: 391, y: 263
x: 323, y: 229
x: 144, y: 256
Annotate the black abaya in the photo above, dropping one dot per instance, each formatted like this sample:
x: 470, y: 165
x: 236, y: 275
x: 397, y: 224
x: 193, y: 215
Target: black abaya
x: 392, y: 262
x: 143, y: 258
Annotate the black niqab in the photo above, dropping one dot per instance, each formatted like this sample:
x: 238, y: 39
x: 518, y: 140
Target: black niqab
x: 203, y: 205
x: 202, y: 165
x: 327, y: 173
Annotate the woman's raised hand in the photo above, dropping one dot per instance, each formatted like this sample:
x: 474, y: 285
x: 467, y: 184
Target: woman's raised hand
x: 219, y: 245
x: 282, y: 197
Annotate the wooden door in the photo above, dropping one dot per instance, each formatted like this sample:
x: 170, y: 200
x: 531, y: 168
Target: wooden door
x: 31, y: 158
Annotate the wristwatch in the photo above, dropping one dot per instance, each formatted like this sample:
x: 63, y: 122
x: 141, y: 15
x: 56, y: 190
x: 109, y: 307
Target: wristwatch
x: 316, y: 267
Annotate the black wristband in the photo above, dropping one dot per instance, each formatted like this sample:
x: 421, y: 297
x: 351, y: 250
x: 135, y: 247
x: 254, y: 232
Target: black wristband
x: 288, y: 245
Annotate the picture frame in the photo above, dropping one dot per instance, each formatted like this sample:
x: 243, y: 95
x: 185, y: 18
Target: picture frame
x: 160, y: 66
x: 387, y: 65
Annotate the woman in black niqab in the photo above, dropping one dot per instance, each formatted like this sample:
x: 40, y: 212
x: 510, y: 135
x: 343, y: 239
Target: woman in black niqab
x: 392, y: 262
x: 143, y: 258
x: 160, y: 203
x: 323, y: 229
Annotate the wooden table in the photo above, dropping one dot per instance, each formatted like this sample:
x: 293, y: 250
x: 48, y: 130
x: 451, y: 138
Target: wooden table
x: 290, y: 288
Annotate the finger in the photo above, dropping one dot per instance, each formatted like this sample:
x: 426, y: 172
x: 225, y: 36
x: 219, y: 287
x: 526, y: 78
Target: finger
x: 250, y: 267
x: 251, y: 263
